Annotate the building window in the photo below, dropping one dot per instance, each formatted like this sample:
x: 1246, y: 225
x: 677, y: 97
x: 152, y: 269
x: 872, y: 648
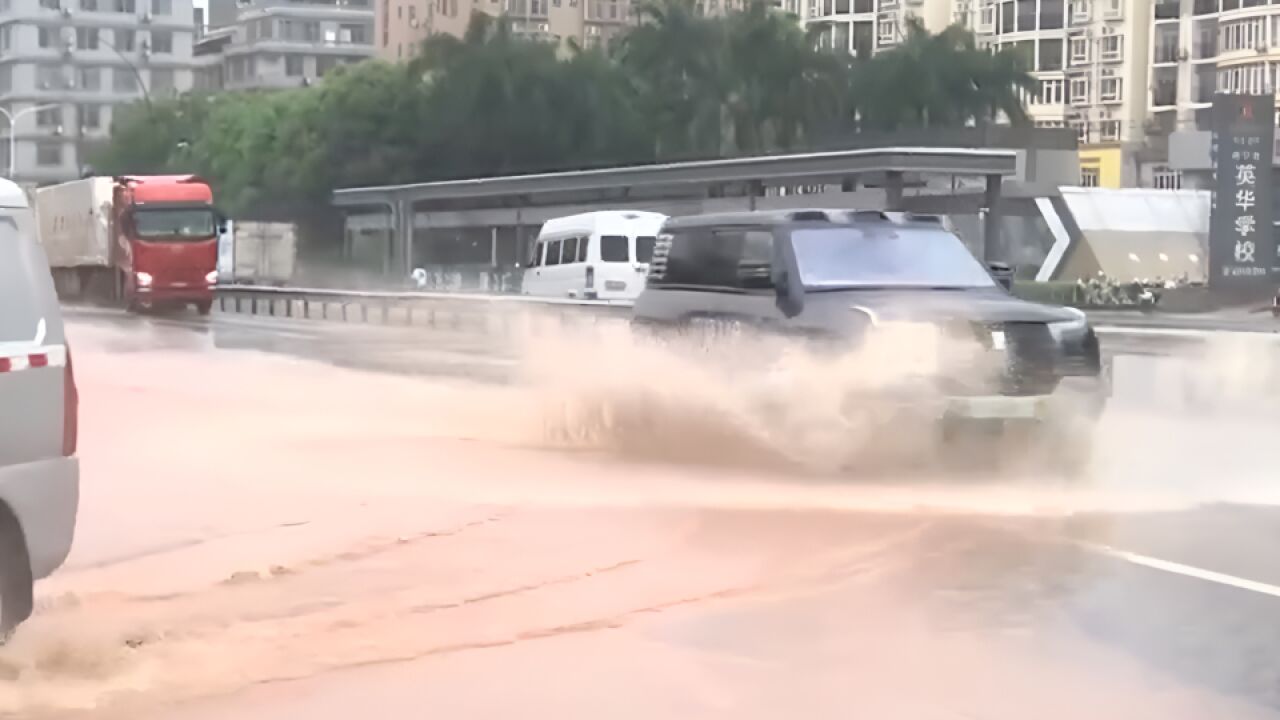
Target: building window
x: 123, y: 80
x: 50, y: 5
x: 1109, y: 90
x: 352, y: 35
x: 1050, y: 56
x: 987, y: 19
x: 48, y: 77
x: 125, y: 40
x: 1079, y: 11
x: 886, y: 31
x: 161, y: 7
x: 1089, y: 177
x: 266, y: 28
x: 90, y: 117
x: 1109, y: 130
x: 6, y: 38
x: 161, y: 42
x: 90, y: 78
x: 161, y: 81
x: 87, y: 38
x: 125, y: 6
x: 6, y: 79
x: 49, y: 154
x: 49, y: 117
x: 1112, y: 48
x: 1113, y: 9
x: 1050, y: 124
x: 1051, y: 92
x: 89, y: 5
x: 293, y: 65
x: 1080, y: 91
x: 47, y: 37
x: 1079, y: 51
x: 1164, y: 178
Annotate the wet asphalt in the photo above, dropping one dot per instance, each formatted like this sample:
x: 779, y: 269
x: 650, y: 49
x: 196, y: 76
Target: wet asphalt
x: 1191, y: 593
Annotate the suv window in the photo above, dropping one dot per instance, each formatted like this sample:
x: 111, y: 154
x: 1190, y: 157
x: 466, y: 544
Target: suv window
x: 730, y: 257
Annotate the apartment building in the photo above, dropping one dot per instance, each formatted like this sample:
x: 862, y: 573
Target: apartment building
x: 403, y: 25
x: 266, y: 44
x: 865, y: 27
x: 65, y: 65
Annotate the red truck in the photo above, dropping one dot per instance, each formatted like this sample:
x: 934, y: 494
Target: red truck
x: 139, y: 241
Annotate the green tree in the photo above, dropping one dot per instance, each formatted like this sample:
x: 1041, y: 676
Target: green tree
x: 939, y: 80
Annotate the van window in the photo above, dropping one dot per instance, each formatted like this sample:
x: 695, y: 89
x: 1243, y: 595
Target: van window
x: 536, y: 260
x: 569, y: 251
x: 583, y: 243
x: 553, y: 252
x: 613, y: 248
x: 644, y: 248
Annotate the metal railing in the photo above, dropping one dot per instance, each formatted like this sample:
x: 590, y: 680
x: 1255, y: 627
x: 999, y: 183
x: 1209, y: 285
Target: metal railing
x: 437, y: 310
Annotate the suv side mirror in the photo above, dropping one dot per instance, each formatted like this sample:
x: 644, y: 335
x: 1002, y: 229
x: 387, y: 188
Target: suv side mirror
x: 1002, y: 273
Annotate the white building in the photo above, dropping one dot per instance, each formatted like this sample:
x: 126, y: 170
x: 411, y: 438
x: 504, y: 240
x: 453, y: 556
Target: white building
x: 66, y: 64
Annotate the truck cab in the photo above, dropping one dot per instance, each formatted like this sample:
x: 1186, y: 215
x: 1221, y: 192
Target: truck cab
x: 167, y: 232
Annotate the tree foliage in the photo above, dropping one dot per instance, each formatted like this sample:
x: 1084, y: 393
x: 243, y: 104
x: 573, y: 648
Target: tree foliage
x: 678, y: 85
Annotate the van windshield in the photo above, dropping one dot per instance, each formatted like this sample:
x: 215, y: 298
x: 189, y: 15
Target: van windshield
x: 836, y: 258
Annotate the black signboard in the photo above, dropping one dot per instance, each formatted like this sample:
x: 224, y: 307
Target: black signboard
x: 1242, y: 250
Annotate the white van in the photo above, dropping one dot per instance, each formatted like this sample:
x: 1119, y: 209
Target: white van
x: 39, y: 472
x: 602, y: 255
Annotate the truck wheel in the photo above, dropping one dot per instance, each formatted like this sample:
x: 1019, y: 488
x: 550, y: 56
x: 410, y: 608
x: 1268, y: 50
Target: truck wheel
x: 204, y: 307
x: 16, y: 584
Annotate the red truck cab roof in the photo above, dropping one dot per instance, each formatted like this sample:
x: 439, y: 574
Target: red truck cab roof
x: 145, y: 189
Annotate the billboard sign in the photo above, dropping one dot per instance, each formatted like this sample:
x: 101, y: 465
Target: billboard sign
x: 1242, y: 248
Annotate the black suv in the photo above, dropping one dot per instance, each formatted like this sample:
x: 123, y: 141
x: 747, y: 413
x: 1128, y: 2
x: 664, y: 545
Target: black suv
x: 841, y: 276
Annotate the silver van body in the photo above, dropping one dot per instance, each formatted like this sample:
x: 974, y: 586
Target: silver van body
x: 39, y: 473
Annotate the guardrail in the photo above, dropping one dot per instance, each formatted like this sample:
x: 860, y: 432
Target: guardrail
x: 430, y: 309
x: 459, y: 310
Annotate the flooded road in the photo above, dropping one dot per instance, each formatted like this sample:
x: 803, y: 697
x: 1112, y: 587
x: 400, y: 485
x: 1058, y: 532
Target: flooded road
x: 287, y: 519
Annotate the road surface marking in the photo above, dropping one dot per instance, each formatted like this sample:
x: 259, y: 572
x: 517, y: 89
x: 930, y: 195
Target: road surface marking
x: 1185, y: 570
x: 1182, y: 332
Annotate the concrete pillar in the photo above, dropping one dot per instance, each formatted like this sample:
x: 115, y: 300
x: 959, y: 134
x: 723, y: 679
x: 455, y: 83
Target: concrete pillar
x: 893, y: 190
x: 991, y: 219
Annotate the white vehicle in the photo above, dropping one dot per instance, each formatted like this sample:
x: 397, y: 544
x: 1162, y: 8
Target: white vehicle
x: 39, y: 472
x: 601, y: 255
x: 257, y: 253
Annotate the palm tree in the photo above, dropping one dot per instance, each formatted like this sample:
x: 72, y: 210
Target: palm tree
x: 939, y: 80
x: 676, y: 58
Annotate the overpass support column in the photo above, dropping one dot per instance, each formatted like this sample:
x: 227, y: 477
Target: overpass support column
x: 991, y: 219
x: 893, y: 190
x: 403, y: 242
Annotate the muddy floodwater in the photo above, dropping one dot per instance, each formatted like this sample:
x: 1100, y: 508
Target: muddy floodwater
x: 277, y: 522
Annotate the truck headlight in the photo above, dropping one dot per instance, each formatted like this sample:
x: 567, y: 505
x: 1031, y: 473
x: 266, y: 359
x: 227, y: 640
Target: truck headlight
x: 142, y: 279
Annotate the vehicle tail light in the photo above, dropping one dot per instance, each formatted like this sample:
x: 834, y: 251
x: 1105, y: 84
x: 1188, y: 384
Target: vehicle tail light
x: 591, y: 277
x: 70, y: 410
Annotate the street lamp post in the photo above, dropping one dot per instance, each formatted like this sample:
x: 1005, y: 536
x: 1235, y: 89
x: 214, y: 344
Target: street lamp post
x: 12, y: 117
x: 137, y: 74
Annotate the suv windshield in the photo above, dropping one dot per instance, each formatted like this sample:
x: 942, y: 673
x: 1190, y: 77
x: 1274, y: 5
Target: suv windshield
x: 832, y: 258
x: 186, y: 223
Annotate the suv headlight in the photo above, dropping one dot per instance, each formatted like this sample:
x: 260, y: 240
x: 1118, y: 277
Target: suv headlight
x: 1073, y: 329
